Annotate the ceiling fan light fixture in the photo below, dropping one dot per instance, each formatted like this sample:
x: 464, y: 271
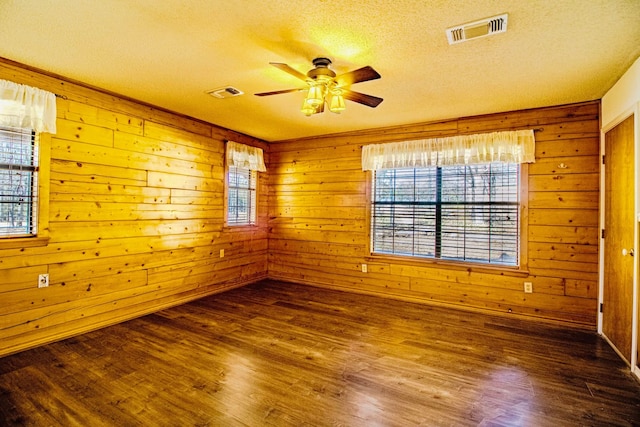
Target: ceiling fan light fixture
x: 337, y: 103
x: 315, y: 96
x: 307, y: 109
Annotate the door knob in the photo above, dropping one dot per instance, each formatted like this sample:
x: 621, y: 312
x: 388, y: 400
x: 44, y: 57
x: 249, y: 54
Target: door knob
x: 627, y: 252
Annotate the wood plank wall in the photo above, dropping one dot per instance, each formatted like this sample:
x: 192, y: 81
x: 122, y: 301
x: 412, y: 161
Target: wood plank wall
x: 136, y: 218
x: 318, y: 219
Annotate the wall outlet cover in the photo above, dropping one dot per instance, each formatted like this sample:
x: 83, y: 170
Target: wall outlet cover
x: 43, y: 280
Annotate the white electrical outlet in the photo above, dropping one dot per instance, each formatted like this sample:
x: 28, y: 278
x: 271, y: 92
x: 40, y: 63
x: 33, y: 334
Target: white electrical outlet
x: 221, y: 253
x: 43, y: 280
x: 528, y: 287
x: 364, y: 268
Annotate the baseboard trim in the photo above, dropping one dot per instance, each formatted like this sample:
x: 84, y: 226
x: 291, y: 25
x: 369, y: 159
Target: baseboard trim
x: 206, y: 291
x: 418, y: 300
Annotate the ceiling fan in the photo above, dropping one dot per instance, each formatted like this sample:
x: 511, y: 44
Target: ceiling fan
x: 325, y: 87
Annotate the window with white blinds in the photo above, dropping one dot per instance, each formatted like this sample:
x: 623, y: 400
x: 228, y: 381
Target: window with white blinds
x: 241, y: 202
x: 18, y: 182
x: 463, y: 213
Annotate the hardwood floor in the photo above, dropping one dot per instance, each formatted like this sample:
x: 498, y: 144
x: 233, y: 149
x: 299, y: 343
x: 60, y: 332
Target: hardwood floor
x: 276, y: 353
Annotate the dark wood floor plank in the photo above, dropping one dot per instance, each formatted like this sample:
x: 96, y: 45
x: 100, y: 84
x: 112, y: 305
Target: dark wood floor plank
x: 281, y: 354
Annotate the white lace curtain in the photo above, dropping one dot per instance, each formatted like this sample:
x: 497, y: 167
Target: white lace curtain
x: 245, y: 156
x: 27, y: 107
x: 508, y: 147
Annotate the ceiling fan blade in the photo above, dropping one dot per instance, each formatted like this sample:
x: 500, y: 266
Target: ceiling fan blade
x: 356, y: 76
x: 361, y: 98
x: 278, y: 92
x: 288, y: 69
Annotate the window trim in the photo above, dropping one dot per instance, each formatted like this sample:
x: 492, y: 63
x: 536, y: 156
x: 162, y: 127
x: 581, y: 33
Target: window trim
x: 41, y: 238
x: 226, y: 199
x: 519, y: 270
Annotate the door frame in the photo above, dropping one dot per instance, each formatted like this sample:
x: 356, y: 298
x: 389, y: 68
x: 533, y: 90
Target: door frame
x: 635, y: 315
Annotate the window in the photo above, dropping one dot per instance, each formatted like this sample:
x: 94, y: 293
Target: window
x: 463, y: 213
x: 243, y: 164
x: 241, y: 201
x: 27, y: 121
x: 18, y: 182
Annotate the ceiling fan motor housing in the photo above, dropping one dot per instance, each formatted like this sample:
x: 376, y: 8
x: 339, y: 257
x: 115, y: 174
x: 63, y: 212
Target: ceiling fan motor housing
x: 321, y: 69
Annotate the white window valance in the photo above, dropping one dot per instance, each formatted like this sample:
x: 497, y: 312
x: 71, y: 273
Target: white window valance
x: 507, y: 147
x: 245, y: 156
x: 27, y: 107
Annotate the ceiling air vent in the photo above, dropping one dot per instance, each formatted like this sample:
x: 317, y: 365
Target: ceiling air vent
x: 477, y: 29
x: 225, y: 92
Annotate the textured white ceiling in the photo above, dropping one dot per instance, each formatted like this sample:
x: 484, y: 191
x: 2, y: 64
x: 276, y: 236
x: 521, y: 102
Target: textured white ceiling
x: 169, y: 52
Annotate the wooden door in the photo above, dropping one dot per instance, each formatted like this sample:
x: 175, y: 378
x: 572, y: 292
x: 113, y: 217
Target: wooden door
x: 619, y: 239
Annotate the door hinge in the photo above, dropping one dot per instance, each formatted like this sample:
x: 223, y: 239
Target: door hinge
x: 603, y: 159
x: 601, y: 307
x: 602, y: 234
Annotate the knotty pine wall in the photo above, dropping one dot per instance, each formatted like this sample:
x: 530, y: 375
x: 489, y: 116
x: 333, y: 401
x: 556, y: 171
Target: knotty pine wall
x: 135, y: 216
x: 318, y: 225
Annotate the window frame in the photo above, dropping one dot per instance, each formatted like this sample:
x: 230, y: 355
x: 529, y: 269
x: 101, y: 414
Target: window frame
x: 41, y: 237
x: 520, y: 270
x: 253, y: 214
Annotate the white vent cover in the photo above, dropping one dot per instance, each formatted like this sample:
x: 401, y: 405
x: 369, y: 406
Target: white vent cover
x: 225, y: 92
x: 473, y: 30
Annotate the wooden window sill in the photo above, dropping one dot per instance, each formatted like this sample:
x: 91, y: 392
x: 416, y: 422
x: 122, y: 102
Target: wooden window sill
x: 23, y: 242
x: 503, y: 270
x: 239, y: 227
